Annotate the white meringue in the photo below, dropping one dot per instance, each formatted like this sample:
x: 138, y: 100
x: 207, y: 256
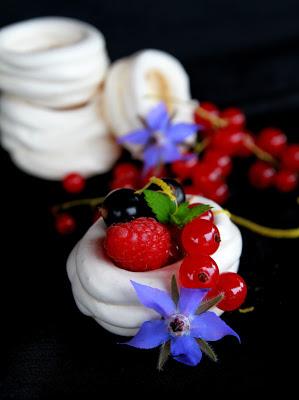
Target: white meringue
x: 104, y: 291
x: 53, y: 61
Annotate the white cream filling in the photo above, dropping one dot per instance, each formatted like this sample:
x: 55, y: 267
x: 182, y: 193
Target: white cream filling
x: 104, y: 291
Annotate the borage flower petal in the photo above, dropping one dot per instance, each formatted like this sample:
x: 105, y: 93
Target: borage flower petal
x: 185, y: 350
x: 155, y: 299
x: 140, y: 136
x: 150, y: 335
x: 190, y: 299
x: 210, y: 327
x: 177, y: 133
x: 158, y: 118
x: 152, y: 156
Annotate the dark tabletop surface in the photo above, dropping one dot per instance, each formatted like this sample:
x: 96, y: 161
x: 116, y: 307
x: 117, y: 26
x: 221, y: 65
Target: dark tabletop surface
x: 243, y: 53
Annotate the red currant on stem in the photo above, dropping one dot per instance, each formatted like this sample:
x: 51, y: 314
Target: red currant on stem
x: 204, y: 174
x: 286, y: 181
x: 201, y: 118
x: 65, y: 223
x: 261, y: 175
x: 218, y: 192
x: 200, y: 237
x: 234, y: 289
x: 290, y: 158
x: 183, y: 168
x: 126, y: 170
x: 73, y: 183
x: 218, y: 158
x: 272, y: 140
x: 198, y: 272
x: 208, y: 215
x: 229, y: 139
x: 234, y: 117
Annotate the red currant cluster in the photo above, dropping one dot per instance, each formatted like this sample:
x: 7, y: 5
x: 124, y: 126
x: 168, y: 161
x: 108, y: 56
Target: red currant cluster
x: 200, y: 239
x: 225, y: 136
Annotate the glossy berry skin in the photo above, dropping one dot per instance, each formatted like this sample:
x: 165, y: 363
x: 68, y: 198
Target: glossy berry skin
x: 261, y: 175
x: 183, y: 168
x: 123, y: 205
x: 217, y: 191
x: 73, y: 183
x: 234, y: 117
x: 272, y: 140
x: 208, y: 215
x: 198, y: 272
x: 290, y: 158
x: 212, y: 109
x: 205, y: 173
x: 200, y: 237
x: 286, y: 181
x: 233, y: 287
x: 217, y: 158
x: 140, y: 245
x: 229, y: 140
x: 176, y: 188
x: 65, y: 224
x: 248, y: 142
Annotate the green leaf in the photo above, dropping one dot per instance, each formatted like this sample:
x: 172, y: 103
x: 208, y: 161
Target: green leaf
x: 163, y: 356
x: 207, y: 349
x: 184, y: 214
x: 206, y: 305
x: 160, y: 204
x: 174, y: 290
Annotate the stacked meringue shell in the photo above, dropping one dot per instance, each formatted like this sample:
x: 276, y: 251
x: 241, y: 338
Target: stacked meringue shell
x: 55, y: 115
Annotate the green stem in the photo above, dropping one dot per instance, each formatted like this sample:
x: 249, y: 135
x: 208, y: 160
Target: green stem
x: 92, y: 202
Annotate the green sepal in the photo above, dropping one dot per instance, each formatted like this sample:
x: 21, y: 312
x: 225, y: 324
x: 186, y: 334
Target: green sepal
x: 206, y: 305
x: 207, y: 349
x: 163, y: 356
x: 174, y: 290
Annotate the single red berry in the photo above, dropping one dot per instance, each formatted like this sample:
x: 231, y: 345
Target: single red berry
x: 290, y: 158
x: 229, y: 140
x: 124, y: 182
x: 233, y: 287
x: 140, y: 245
x: 200, y: 119
x: 207, y: 215
x: 200, y: 237
x: 272, y: 140
x: 217, y: 158
x: 198, y: 272
x: 261, y: 175
x: 234, y: 117
x: 286, y: 181
x: 126, y: 170
x: 183, y: 168
x: 204, y: 174
x: 217, y: 191
x: 65, y: 223
x: 73, y: 183
x: 247, y: 144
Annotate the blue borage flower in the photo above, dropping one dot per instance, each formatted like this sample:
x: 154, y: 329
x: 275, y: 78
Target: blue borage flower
x: 160, y: 139
x: 181, y: 324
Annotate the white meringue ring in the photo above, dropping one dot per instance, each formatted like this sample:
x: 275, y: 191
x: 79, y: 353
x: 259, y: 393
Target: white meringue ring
x: 56, y: 62
x: 104, y: 291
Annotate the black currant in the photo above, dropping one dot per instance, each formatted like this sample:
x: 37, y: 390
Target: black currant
x: 123, y: 205
x: 176, y: 188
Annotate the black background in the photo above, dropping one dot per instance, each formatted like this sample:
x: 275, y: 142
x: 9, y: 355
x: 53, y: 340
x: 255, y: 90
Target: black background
x: 243, y: 53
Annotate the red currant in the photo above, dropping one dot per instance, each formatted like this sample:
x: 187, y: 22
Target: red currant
x: 65, y: 224
x: 200, y: 237
x: 290, y: 158
x: 208, y: 215
x: 73, y: 183
x: 219, y: 159
x: 192, y: 190
x: 218, y: 192
x: 272, y: 141
x: 183, y: 168
x: 204, y: 174
x: 198, y: 272
x: 126, y: 170
x: 124, y: 182
x: 261, y: 175
x: 286, y: 181
x: 234, y: 116
x: 229, y: 139
x: 233, y: 287
x: 211, y: 109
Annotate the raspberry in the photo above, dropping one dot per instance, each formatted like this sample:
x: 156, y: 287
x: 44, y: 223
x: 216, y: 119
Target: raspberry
x: 141, y: 245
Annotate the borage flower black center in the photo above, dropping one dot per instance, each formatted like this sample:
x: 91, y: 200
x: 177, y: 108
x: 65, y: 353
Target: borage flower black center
x: 178, y: 325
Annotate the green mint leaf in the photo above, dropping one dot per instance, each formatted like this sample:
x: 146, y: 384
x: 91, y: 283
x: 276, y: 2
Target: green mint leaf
x: 163, y: 356
x: 160, y: 204
x: 184, y: 214
x: 207, y: 349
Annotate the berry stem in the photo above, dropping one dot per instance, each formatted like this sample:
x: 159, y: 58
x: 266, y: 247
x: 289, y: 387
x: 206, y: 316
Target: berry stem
x: 200, y: 146
x: 216, y: 121
x: 261, y: 154
x: 260, y: 229
x: 92, y: 202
